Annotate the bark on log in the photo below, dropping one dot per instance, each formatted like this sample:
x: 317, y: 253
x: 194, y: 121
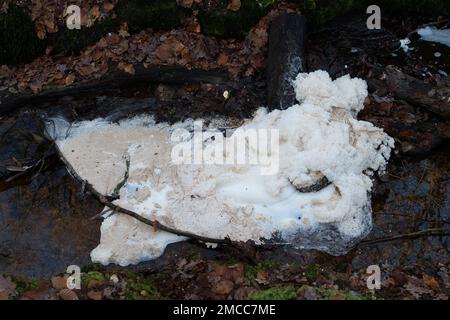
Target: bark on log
x: 434, y: 98
x: 111, y: 82
x: 286, y: 59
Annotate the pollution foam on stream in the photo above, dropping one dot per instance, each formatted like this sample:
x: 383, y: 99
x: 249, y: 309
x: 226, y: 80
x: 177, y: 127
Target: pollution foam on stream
x: 319, y: 137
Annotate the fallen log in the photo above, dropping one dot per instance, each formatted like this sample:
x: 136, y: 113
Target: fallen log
x: 286, y: 59
x: 112, y: 81
x: 434, y: 98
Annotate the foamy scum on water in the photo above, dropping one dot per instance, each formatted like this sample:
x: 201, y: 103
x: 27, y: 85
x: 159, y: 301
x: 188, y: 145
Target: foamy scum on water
x: 319, y: 137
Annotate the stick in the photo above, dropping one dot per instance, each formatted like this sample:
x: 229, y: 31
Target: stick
x: 111, y: 82
x: 436, y: 232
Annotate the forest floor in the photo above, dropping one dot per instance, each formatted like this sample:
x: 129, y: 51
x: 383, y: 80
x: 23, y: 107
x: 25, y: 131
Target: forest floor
x: 46, y: 220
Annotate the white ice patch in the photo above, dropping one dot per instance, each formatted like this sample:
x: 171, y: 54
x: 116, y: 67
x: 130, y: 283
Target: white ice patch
x: 320, y: 137
x: 433, y: 34
x: 404, y: 44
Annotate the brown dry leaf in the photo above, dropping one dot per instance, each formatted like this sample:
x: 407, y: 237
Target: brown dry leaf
x: 193, y: 25
x: 108, y: 6
x: 36, y: 86
x: 41, y: 292
x: 223, y: 287
x: 69, y: 79
x: 86, y: 70
x: 40, y: 31
x: 222, y: 59
x: 431, y: 282
x: 262, y: 277
x: 95, y: 295
x: 59, y: 282
x: 92, y: 16
x: 416, y: 288
x: 67, y: 294
x: 4, y: 71
x: 234, y: 5
x: 126, y: 67
x: 164, y: 52
x: 50, y: 25
x: 124, y: 33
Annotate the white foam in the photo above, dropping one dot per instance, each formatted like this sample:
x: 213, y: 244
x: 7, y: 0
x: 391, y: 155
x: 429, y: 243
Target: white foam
x: 318, y: 137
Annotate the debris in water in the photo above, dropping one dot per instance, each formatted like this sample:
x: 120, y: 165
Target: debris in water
x: 404, y: 44
x: 433, y: 34
x: 319, y: 139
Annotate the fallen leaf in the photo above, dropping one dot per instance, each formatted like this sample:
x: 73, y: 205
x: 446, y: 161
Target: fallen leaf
x: 95, y: 295
x: 36, y: 86
x: 234, y: 5
x: 59, y: 282
x: 430, y: 282
x: 108, y: 6
x: 262, y: 277
x: 67, y: 294
x: 86, y: 70
x: 69, y: 79
x: 127, y: 67
x: 223, y: 287
x: 222, y: 59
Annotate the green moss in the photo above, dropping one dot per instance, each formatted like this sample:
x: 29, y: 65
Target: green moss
x: 251, y: 271
x: 92, y: 267
x: 158, y: 14
x: 18, y: 41
x: 136, y: 286
x: 312, y: 272
x: 23, y: 286
x: 283, y: 293
x: 91, y: 275
x: 327, y: 293
x: 224, y: 23
x: 192, y: 254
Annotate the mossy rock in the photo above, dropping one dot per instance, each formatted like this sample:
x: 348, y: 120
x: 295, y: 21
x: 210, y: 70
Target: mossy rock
x: 320, y: 12
x: 158, y: 14
x: 18, y: 41
x: 224, y: 23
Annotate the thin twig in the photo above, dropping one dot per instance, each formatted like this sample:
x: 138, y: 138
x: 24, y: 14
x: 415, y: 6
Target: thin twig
x: 436, y: 232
